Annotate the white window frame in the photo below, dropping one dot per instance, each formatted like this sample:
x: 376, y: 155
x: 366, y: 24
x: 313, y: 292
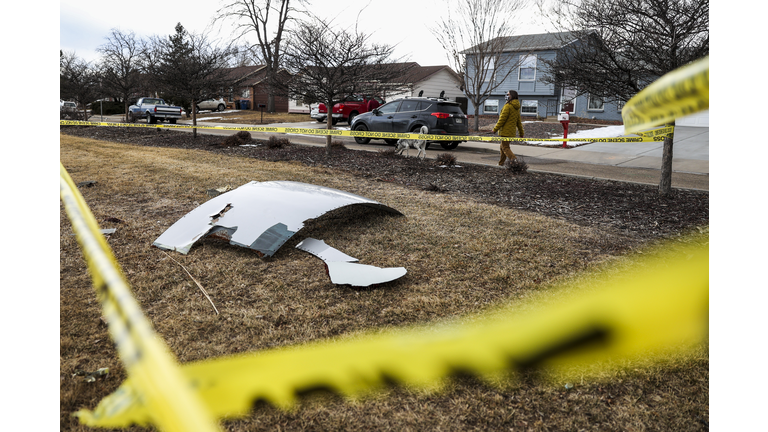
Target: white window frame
x: 591, y: 98
x: 247, y: 92
x: 493, y: 105
x: 527, y: 61
x: 526, y: 103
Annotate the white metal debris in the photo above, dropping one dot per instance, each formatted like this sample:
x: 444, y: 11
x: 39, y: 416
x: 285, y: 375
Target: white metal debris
x: 259, y: 215
x: 344, y: 271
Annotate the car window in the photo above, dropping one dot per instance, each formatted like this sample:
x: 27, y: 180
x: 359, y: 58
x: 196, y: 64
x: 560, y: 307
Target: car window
x: 409, y: 105
x: 389, y: 108
x: 354, y: 98
x: 449, y: 108
x: 424, y: 105
x: 378, y: 99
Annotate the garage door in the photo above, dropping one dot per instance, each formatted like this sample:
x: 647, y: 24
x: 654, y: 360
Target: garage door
x: 700, y: 119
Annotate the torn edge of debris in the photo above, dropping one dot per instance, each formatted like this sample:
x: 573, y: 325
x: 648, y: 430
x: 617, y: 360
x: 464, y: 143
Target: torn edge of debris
x: 344, y: 270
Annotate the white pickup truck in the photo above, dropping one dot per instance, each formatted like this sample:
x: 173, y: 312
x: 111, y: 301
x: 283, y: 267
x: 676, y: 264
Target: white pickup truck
x: 154, y: 110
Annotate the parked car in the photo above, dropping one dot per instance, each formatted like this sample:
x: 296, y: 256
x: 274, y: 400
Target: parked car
x: 346, y: 110
x: 69, y: 111
x: 212, y: 104
x: 408, y: 115
x: 154, y: 110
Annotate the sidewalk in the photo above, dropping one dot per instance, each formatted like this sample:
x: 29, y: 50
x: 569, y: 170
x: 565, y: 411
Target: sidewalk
x: 634, y: 162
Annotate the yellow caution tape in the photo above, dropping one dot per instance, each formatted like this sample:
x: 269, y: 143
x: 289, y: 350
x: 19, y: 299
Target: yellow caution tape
x: 681, y: 92
x: 361, y: 134
x: 659, y: 305
x: 669, y: 130
x: 160, y: 393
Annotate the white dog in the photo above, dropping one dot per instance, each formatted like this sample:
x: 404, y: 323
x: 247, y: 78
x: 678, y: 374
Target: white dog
x: 420, y: 145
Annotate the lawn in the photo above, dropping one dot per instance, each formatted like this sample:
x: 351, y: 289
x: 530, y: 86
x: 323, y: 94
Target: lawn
x: 463, y: 257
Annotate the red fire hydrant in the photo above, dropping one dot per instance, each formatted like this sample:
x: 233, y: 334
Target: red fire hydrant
x: 564, y: 119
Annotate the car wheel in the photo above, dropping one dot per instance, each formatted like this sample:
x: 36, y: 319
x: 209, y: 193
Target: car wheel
x: 361, y: 140
x: 334, y: 121
x: 449, y: 145
x: 221, y: 107
x: 391, y: 141
x: 351, y: 118
x: 150, y: 119
x: 320, y: 120
x: 172, y: 121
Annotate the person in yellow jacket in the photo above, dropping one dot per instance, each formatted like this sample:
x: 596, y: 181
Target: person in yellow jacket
x: 509, y: 122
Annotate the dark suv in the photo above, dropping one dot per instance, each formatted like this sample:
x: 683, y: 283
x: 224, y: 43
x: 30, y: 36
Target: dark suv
x: 409, y: 115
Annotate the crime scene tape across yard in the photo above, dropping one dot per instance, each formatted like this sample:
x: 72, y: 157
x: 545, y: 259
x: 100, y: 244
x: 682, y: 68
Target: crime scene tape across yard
x: 679, y: 93
x: 660, y: 304
x: 367, y: 134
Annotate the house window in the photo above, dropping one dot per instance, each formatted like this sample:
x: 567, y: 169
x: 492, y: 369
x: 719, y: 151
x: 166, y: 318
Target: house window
x: 527, y: 67
x: 620, y: 105
x: 247, y: 93
x: 595, y: 103
x: 490, y: 74
x: 529, y: 107
x: 491, y: 106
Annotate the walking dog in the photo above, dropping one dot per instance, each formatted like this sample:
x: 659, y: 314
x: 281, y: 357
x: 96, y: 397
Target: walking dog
x: 420, y: 145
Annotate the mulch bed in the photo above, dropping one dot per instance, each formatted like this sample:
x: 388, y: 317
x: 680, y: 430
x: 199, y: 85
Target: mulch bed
x: 637, y: 211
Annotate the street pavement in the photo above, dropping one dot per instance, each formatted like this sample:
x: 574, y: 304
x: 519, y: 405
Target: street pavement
x: 631, y: 162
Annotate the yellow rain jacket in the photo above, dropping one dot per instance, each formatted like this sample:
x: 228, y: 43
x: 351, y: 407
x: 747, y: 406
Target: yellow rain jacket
x: 509, y: 120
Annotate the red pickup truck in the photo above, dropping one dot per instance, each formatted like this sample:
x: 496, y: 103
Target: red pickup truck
x: 347, y: 109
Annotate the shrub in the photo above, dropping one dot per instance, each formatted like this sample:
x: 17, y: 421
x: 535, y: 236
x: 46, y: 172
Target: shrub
x: 517, y: 166
x: 237, y: 139
x: 277, y: 143
x: 446, y: 159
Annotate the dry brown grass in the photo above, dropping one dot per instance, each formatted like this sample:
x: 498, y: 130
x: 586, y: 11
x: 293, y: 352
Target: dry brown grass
x: 462, y: 257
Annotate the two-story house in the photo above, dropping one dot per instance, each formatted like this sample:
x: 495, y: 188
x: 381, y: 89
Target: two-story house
x: 539, y: 99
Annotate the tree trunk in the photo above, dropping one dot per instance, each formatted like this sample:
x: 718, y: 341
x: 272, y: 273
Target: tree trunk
x: 194, y: 119
x: 271, y: 100
x: 665, y: 184
x: 329, y: 126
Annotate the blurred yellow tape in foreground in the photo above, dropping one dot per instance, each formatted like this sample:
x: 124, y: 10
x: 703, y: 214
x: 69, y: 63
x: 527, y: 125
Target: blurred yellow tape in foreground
x: 679, y: 93
x: 660, y: 305
x: 159, y: 389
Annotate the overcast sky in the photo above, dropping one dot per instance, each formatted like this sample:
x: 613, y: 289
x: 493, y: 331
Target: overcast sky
x: 85, y: 23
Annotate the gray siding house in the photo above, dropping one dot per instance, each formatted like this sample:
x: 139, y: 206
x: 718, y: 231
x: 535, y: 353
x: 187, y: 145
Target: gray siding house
x: 537, y: 98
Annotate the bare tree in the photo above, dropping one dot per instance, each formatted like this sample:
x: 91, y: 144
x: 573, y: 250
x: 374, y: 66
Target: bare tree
x: 78, y: 80
x: 246, y: 55
x: 258, y: 16
x: 188, y: 67
x: 121, y: 65
x: 624, y: 45
x: 476, y: 38
x: 328, y: 64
